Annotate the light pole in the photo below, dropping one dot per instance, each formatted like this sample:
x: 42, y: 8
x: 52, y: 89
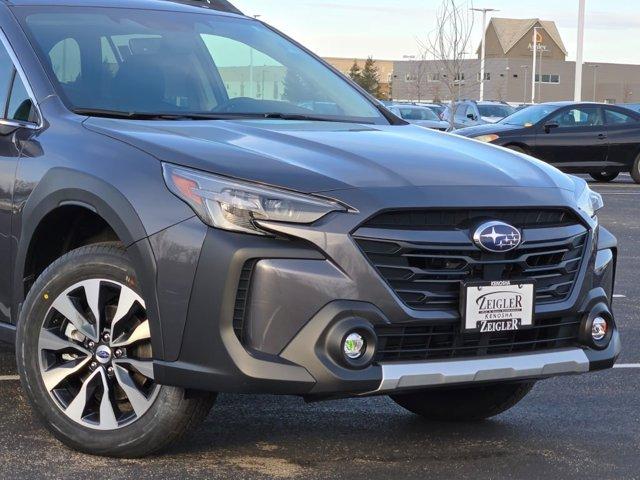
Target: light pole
x: 410, y: 59
x: 595, y: 81
x: 505, y: 92
x: 535, y: 60
x: 251, y: 89
x: 524, y: 81
x: 577, y: 95
x: 483, y: 49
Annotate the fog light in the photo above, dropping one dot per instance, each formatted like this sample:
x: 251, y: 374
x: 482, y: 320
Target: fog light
x: 599, y: 328
x: 354, y: 346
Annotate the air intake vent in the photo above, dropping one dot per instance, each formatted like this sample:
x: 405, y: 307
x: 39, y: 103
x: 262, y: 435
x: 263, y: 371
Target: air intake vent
x: 242, y: 299
x: 450, y: 219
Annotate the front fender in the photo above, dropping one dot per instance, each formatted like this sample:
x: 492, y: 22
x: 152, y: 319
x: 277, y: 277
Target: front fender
x: 60, y: 187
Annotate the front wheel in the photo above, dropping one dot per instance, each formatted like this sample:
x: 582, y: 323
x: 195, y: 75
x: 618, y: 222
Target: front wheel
x: 84, y: 356
x: 604, y: 176
x: 464, y: 404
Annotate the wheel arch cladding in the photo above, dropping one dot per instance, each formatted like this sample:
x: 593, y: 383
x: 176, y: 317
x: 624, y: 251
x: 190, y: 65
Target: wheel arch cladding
x: 64, y: 187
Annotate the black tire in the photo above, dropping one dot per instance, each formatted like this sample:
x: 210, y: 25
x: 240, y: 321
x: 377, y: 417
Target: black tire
x: 171, y: 411
x: 604, y: 176
x: 464, y: 404
x: 635, y: 171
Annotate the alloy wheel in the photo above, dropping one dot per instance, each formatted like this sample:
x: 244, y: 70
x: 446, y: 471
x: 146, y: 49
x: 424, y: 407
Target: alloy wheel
x: 95, y: 355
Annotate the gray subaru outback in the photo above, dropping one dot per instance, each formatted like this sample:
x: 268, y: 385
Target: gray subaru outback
x: 192, y: 203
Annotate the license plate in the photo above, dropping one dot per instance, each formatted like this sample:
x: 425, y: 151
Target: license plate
x: 497, y: 306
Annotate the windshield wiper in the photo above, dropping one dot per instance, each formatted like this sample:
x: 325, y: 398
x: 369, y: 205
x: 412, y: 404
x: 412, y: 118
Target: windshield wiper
x: 98, y: 112
x: 300, y: 116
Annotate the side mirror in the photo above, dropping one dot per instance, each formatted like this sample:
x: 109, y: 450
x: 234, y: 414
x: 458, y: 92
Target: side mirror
x: 550, y: 126
x: 7, y: 127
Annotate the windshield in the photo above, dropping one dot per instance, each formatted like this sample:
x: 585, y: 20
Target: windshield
x: 175, y: 63
x: 417, y: 114
x: 529, y: 116
x: 495, y: 111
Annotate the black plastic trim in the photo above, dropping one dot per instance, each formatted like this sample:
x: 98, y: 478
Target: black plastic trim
x: 7, y: 333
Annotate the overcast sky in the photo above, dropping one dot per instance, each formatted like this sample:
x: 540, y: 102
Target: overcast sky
x: 387, y: 29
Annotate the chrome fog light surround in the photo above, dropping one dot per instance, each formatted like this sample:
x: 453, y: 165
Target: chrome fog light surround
x: 597, y: 328
x: 351, y: 343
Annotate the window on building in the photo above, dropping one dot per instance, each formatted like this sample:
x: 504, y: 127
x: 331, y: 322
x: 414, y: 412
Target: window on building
x: 433, y: 77
x: 409, y: 77
x: 487, y: 76
x: 548, y: 78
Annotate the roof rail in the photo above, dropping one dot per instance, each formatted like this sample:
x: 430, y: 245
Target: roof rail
x: 220, y: 5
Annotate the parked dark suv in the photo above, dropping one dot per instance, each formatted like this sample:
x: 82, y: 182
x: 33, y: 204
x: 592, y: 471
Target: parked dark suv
x: 193, y: 203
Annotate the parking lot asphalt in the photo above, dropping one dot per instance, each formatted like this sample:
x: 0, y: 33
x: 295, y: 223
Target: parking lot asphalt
x: 573, y: 427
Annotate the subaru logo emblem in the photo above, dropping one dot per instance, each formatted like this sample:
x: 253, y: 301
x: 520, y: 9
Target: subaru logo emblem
x: 497, y: 237
x: 103, y: 354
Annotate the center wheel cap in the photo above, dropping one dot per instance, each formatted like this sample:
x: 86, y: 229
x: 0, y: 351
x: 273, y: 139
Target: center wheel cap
x: 103, y: 354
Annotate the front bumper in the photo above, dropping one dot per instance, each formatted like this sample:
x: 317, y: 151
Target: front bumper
x: 417, y: 375
x: 306, y: 283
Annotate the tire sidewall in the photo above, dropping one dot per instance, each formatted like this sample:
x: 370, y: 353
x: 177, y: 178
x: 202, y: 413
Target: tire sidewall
x: 108, y: 263
x: 635, y: 170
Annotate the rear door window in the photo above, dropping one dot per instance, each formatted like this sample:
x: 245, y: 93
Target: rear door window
x: 618, y: 118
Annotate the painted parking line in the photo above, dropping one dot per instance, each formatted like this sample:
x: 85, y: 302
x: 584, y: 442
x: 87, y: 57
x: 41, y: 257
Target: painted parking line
x: 627, y: 365
x: 619, y: 193
x: 9, y: 378
x: 619, y: 296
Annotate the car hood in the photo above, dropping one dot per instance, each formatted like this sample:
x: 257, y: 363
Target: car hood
x: 487, y: 129
x: 324, y: 156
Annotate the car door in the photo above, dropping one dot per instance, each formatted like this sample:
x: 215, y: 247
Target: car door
x: 623, y: 130
x: 10, y: 116
x: 574, y: 139
x: 462, y: 115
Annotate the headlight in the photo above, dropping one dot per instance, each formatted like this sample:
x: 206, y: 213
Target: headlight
x: 234, y: 205
x: 487, y: 138
x: 590, y: 202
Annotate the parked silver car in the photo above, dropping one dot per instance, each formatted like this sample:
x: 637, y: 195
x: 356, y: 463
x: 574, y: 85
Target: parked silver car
x: 421, y: 116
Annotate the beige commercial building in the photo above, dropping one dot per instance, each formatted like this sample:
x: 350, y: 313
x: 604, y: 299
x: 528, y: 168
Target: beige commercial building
x: 508, y: 72
x: 385, y: 70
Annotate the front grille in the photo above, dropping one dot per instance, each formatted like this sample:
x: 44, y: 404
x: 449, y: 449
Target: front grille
x: 405, y: 343
x: 426, y: 268
x: 449, y: 219
x: 242, y: 299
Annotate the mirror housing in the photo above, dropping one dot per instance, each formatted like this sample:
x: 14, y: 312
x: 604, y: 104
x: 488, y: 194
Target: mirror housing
x: 7, y: 127
x: 550, y: 126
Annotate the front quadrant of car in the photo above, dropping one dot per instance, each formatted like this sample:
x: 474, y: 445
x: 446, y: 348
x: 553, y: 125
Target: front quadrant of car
x: 177, y: 233
x: 413, y: 288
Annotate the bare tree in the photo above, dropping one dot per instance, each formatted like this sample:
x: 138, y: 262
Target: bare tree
x: 448, y: 44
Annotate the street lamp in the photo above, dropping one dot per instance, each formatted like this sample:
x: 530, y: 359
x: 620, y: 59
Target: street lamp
x: 577, y: 96
x: 535, y: 60
x: 251, y: 88
x: 483, y: 50
x: 524, y: 81
x: 595, y: 81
